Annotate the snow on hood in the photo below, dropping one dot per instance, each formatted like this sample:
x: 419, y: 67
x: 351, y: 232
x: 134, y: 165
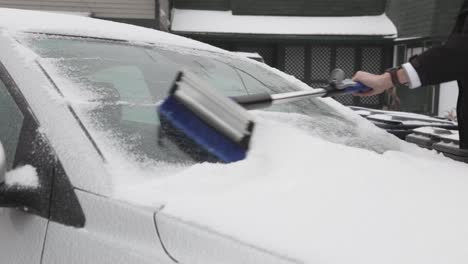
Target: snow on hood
x: 321, y: 202
x: 66, y: 24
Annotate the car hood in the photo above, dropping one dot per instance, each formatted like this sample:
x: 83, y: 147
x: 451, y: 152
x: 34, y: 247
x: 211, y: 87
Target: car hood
x: 305, y: 195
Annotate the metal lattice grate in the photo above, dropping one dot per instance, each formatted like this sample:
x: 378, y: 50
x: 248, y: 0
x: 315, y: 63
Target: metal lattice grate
x: 318, y: 85
x: 345, y: 60
x: 321, y: 63
x: 370, y: 100
x: 294, y: 61
x: 267, y: 52
x: 313, y: 62
x: 371, y: 62
x: 345, y: 99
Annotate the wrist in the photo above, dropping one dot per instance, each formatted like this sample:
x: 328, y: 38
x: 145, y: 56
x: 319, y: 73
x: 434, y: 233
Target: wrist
x: 398, y: 77
x: 387, y: 80
x: 403, y: 76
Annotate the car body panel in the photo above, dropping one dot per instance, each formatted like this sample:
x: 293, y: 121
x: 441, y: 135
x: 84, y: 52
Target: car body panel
x: 21, y: 237
x: 115, y: 233
x: 191, y: 243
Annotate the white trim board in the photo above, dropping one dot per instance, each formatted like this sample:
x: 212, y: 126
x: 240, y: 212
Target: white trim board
x: 207, y: 21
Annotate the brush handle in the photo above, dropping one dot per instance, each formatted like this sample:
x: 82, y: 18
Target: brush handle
x: 358, y: 87
x: 347, y: 87
x: 254, y: 101
x: 264, y: 100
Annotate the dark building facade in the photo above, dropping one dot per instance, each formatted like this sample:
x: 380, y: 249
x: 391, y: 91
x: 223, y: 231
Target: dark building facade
x: 289, y: 8
x: 423, y: 18
x: 309, y: 58
x: 420, y: 25
x: 412, y: 18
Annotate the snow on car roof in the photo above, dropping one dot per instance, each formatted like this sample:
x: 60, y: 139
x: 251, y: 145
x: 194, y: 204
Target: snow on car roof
x: 186, y: 20
x: 66, y: 24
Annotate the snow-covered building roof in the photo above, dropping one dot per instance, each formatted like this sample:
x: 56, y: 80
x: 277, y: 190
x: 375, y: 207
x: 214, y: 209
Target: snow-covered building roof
x: 208, y: 21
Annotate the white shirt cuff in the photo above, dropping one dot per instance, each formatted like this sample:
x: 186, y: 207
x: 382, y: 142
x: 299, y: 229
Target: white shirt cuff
x: 414, y: 81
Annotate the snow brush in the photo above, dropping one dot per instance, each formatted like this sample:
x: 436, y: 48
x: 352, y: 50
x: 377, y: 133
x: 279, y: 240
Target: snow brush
x: 209, y: 126
x: 204, y: 123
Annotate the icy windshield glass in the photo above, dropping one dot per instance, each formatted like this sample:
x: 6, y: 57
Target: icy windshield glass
x: 114, y: 87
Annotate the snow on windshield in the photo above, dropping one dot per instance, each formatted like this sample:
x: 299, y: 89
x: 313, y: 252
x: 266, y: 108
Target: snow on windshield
x: 320, y: 183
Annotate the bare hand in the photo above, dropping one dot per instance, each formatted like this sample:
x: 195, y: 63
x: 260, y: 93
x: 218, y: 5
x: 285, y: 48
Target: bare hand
x: 378, y: 83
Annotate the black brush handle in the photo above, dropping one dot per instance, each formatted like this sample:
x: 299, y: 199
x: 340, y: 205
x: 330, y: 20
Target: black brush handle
x: 254, y: 101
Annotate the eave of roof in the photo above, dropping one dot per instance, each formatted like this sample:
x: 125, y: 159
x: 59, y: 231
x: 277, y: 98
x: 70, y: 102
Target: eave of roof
x: 224, y: 22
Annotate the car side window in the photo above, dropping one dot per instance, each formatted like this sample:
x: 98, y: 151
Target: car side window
x: 12, y: 121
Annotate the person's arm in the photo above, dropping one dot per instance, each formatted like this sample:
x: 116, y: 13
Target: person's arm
x: 448, y: 62
x: 379, y: 83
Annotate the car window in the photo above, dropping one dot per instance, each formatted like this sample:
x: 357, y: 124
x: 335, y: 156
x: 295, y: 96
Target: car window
x: 216, y: 72
x: 129, y: 85
x: 11, y: 120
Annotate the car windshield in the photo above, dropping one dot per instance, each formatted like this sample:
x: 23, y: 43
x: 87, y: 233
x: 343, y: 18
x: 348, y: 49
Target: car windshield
x: 114, y: 87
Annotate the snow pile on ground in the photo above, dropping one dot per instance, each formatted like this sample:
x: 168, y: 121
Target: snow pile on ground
x: 398, y: 116
x: 451, y: 135
x: 22, y: 177
x: 420, y: 122
x: 321, y: 202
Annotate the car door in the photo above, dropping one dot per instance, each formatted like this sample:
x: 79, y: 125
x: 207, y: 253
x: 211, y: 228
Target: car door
x: 22, y: 234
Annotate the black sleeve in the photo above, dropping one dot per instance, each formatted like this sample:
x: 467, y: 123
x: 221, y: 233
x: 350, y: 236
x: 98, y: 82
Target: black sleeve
x: 445, y: 63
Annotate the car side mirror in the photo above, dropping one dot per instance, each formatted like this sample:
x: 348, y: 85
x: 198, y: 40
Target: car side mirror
x: 15, y: 195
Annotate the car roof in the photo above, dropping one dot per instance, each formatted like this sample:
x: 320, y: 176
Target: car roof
x: 19, y: 20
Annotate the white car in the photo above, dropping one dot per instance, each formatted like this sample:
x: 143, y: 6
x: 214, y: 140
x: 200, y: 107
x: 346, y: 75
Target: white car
x: 90, y: 180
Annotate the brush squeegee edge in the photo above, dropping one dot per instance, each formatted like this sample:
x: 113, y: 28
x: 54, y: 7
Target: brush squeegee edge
x: 200, y: 132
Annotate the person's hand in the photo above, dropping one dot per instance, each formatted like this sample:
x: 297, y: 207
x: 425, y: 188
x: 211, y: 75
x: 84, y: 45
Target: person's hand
x: 378, y: 83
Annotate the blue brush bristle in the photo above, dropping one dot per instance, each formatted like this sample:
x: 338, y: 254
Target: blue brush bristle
x: 199, y: 132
